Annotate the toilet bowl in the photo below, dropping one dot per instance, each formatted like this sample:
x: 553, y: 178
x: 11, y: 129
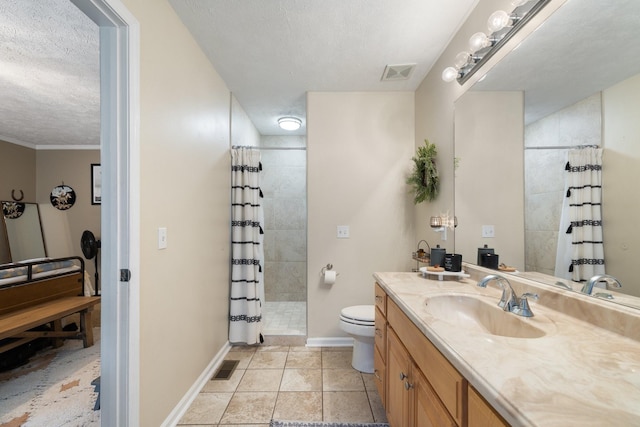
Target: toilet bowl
x: 359, y: 322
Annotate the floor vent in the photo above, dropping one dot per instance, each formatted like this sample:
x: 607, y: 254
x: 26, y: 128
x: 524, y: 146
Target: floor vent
x: 225, y: 370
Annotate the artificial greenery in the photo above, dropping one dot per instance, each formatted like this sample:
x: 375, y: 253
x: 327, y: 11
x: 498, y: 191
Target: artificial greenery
x: 424, y: 177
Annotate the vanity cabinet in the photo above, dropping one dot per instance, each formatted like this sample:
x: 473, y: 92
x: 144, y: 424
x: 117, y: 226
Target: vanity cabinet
x: 481, y: 414
x: 417, y: 384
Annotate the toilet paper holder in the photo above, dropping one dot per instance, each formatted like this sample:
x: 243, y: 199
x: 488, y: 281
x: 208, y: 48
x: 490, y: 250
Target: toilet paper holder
x: 327, y: 267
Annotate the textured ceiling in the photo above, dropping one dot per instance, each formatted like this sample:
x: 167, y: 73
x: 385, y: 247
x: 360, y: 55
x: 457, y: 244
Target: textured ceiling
x: 270, y: 53
x: 49, y: 74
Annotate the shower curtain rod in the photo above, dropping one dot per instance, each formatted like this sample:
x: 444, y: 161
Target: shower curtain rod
x: 561, y: 147
x: 269, y: 148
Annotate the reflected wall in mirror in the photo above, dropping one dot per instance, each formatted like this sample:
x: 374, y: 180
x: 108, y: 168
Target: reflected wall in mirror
x: 22, y: 236
x: 580, y: 77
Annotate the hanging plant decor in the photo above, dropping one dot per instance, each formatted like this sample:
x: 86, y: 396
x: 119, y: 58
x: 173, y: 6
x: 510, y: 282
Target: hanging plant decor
x: 424, y: 177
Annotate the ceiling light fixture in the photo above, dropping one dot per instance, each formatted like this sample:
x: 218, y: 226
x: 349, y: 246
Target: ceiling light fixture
x: 502, y: 26
x: 290, y: 123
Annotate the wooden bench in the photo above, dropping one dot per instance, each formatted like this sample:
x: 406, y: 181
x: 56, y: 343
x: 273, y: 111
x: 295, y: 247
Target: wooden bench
x: 46, y: 301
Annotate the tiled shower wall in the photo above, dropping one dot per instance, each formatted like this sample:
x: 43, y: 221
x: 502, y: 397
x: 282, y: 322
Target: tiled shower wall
x: 578, y: 124
x: 285, y: 210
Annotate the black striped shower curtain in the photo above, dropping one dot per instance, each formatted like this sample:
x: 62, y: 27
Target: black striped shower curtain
x: 581, y: 226
x: 247, y: 243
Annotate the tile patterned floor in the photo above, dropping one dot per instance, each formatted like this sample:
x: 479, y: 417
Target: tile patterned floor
x: 287, y: 383
x: 285, y: 318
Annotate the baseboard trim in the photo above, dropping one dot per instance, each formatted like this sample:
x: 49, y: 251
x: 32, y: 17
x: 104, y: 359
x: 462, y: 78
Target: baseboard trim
x: 186, y: 401
x: 330, y: 342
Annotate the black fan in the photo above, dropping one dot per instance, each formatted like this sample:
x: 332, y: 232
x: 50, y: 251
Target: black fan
x: 90, y: 247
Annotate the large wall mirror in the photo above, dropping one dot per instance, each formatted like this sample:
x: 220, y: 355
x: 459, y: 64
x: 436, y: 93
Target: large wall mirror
x: 22, y: 233
x: 574, y: 81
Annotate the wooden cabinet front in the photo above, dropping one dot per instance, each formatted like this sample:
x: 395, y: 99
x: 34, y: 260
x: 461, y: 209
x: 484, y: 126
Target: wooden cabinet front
x: 481, y: 414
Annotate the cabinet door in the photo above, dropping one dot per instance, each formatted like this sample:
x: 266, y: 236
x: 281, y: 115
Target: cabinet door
x: 427, y: 410
x: 380, y: 375
x: 481, y: 414
x: 398, y: 370
x: 380, y: 332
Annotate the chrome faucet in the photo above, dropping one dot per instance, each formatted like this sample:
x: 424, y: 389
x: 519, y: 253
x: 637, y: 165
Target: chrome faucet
x: 509, y: 301
x: 588, y: 287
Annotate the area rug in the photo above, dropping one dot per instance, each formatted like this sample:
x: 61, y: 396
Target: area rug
x: 275, y: 423
x: 54, y: 388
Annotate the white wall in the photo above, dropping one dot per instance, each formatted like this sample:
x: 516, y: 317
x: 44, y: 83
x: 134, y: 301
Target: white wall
x: 620, y: 178
x: 359, y: 154
x: 185, y: 187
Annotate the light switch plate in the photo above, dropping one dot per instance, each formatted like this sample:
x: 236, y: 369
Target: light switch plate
x: 343, y: 232
x: 162, y: 238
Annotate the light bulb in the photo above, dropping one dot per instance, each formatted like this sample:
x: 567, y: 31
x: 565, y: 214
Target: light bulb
x: 516, y: 3
x: 478, y: 41
x: 498, y: 20
x: 449, y: 74
x: 462, y: 59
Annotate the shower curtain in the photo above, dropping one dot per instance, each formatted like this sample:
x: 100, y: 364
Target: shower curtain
x: 247, y: 237
x: 580, y: 253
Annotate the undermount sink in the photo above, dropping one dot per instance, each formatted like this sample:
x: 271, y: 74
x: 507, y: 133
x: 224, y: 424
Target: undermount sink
x: 477, y: 314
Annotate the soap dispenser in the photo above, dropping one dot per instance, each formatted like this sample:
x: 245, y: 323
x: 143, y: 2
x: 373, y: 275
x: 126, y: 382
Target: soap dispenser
x: 437, y: 256
x: 483, y: 251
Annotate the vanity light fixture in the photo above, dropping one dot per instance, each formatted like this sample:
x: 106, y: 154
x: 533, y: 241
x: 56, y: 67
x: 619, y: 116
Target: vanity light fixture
x: 290, y: 123
x: 441, y: 223
x: 502, y: 27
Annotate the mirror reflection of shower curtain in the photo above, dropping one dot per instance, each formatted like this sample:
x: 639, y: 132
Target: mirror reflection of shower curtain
x: 580, y: 251
x: 247, y: 243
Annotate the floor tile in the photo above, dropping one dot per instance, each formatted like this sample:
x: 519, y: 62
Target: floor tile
x: 230, y: 385
x: 336, y: 360
x: 342, y: 380
x: 260, y: 380
x: 379, y: 414
x: 301, y: 360
x: 250, y: 407
x: 301, y: 380
x: 306, y: 406
x: 207, y: 408
x: 268, y: 360
x: 243, y: 358
x: 346, y: 406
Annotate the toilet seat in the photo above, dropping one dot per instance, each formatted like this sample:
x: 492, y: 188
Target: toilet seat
x: 363, y: 315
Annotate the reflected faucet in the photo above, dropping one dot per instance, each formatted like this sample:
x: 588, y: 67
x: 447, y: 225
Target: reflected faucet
x: 509, y: 300
x: 588, y: 287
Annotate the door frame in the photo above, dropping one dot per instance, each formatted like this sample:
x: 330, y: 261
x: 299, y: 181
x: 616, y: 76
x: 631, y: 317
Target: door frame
x: 120, y: 209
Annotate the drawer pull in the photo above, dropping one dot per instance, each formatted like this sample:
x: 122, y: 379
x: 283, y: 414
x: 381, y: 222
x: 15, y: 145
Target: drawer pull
x: 375, y: 373
x: 378, y: 332
x: 403, y: 376
x: 408, y: 385
x: 378, y: 298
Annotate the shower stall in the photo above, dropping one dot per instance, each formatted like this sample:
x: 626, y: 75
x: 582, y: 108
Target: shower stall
x: 284, y: 170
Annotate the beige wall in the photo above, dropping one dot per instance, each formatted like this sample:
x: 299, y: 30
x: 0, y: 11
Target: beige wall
x: 185, y: 187
x: 18, y: 168
x: 489, y: 131
x: 63, y: 229
x: 620, y: 178
x: 359, y: 154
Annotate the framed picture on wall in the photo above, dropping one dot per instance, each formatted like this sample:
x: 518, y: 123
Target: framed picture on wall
x: 96, y: 184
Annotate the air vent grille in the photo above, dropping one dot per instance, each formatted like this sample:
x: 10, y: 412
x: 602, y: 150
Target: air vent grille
x: 225, y: 370
x: 397, y: 72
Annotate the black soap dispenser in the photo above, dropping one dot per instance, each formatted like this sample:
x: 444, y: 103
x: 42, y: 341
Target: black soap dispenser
x: 483, y: 251
x: 437, y: 256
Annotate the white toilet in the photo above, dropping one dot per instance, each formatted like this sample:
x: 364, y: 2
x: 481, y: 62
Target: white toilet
x: 359, y: 322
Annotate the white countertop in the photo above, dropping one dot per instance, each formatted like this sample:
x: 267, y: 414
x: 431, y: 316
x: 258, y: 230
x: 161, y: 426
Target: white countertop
x: 577, y: 374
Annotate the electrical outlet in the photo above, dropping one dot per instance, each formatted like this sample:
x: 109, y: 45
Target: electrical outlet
x: 343, y: 232
x: 488, y: 231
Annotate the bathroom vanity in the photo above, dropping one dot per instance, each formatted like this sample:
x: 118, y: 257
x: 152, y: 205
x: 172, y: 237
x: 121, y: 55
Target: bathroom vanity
x: 446, y: 355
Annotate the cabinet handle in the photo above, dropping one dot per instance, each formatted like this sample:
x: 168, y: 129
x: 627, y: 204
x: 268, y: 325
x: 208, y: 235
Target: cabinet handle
x: 403, y: 376
x: 408, y: 385
x: 379, y: 332
x: 375, y: 373
x: 378, y: 298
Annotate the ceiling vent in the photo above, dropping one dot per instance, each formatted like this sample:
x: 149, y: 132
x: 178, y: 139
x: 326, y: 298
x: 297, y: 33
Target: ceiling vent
x: 397, y: 72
